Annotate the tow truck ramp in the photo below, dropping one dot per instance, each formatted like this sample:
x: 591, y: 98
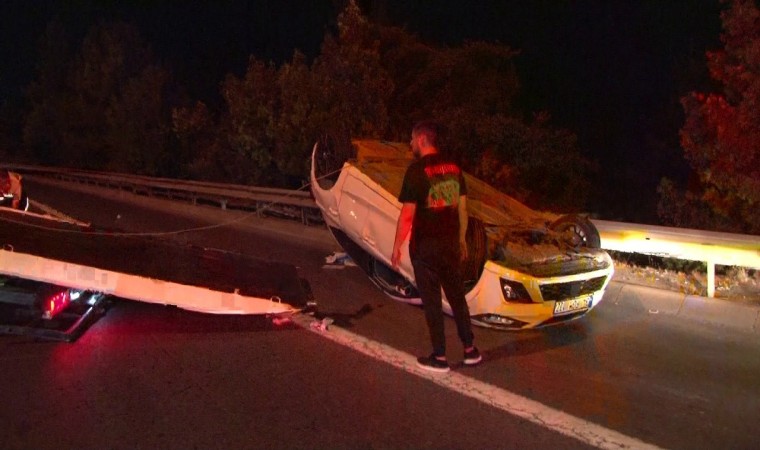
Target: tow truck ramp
x: 56, y: 276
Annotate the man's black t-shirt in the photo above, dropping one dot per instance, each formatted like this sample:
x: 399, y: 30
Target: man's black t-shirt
x: 434, y: 184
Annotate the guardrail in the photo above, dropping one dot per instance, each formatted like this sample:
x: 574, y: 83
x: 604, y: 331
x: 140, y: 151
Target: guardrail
x: 683, y: 243
x: 713, y: 248
x: 292, y: 204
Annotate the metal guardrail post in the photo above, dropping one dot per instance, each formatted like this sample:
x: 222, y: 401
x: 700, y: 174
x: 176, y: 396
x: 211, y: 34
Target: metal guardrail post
x: 710, y: 279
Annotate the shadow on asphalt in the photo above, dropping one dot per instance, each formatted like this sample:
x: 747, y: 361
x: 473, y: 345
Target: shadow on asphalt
x: 529, y: 342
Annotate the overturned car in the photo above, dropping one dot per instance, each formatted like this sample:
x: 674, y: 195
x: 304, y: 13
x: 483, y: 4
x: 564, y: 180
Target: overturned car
x: 525, y: 268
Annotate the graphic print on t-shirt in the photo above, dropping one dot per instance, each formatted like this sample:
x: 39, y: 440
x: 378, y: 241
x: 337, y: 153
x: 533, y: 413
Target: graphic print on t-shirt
x: 444, y: 185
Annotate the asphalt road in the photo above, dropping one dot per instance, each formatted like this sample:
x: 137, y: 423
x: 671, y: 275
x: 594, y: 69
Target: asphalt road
x: 148, y: 376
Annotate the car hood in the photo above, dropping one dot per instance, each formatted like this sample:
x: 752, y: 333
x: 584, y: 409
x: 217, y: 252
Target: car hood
x: 543, y: 253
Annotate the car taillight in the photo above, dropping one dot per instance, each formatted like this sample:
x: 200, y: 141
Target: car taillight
x: 55, y: 304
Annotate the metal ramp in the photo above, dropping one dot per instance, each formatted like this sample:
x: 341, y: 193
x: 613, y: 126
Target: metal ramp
x: 72, y: 257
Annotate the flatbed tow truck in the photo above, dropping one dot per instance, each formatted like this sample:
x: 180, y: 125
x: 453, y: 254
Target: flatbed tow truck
x: 57, y: 276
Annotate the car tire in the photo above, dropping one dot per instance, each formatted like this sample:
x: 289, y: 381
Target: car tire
x: 577, y: 231
x: 24, y: 203
x: 330, y: 156
x: 382, y: 276
x: 477, y: 252
x: 391, y: 282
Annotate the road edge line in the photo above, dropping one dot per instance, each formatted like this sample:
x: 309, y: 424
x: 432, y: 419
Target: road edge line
x: 509, y: 402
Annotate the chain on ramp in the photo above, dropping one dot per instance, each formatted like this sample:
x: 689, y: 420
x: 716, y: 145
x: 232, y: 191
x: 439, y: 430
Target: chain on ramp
x: 55, y: 213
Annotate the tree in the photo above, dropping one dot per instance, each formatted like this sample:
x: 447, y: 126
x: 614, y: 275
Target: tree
x: 274, y: 116
x: 376, y: 81
x: 198, y: 140
x: 252, y: 106
x: 138, y: 127
x: 11, y: 113
x: 105, y: 107
x: 301, y: 116
x: 110, y: 55
x: 343, y: 94
x: 721, y: 135
x: 533, y: 162
x: 472, y: 88
x: 48, y: 97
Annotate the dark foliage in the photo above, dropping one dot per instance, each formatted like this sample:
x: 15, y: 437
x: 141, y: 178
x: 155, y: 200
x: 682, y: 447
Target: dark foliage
x: 721, y: 136
x: 109, y: 105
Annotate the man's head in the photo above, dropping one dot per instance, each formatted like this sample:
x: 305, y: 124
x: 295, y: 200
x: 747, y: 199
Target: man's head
x: 425, y: 138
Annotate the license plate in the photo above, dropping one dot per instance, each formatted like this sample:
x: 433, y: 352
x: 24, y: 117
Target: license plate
x: 568, y: 306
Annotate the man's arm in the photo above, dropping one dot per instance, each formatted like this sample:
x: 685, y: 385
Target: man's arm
x: 403, y: 227
x: 462, y: 209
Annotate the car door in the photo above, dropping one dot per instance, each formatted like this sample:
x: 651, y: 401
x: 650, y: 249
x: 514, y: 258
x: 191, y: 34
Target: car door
x: 353, y: 208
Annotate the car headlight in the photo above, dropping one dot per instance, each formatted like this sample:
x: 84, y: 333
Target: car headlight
x: 514, y: 292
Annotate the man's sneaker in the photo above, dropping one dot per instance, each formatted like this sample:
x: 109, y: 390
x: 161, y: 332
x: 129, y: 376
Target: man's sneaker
x: 433, y: 364
x: 472, y: 357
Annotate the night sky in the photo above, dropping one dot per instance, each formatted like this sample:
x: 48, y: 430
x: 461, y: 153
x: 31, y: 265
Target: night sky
x: 610, y: 71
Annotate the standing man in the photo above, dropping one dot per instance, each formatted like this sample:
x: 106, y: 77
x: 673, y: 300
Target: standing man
x: 434, y: 198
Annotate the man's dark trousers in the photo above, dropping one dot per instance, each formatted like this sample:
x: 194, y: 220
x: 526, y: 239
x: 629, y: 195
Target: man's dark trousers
x: 430, y: 276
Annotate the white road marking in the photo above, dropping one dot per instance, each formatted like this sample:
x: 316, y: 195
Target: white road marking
x: 509, y: 402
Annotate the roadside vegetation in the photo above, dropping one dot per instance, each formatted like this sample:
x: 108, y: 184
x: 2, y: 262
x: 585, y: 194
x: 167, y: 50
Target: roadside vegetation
x: 687, y: 277
x: 721, y: 136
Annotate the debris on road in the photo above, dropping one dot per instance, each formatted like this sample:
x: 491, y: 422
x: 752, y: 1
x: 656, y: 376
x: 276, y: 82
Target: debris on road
x: 338, y: 260
x: 281, y: 320
x: 321, y: 325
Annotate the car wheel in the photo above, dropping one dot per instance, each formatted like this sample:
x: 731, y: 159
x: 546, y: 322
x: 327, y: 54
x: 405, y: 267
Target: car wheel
x: 577, y: 231
x: 24, y: 203
x: 477, y: 252
x: 382, y: 276
x: 391, y: 282
x: 330, y: 156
